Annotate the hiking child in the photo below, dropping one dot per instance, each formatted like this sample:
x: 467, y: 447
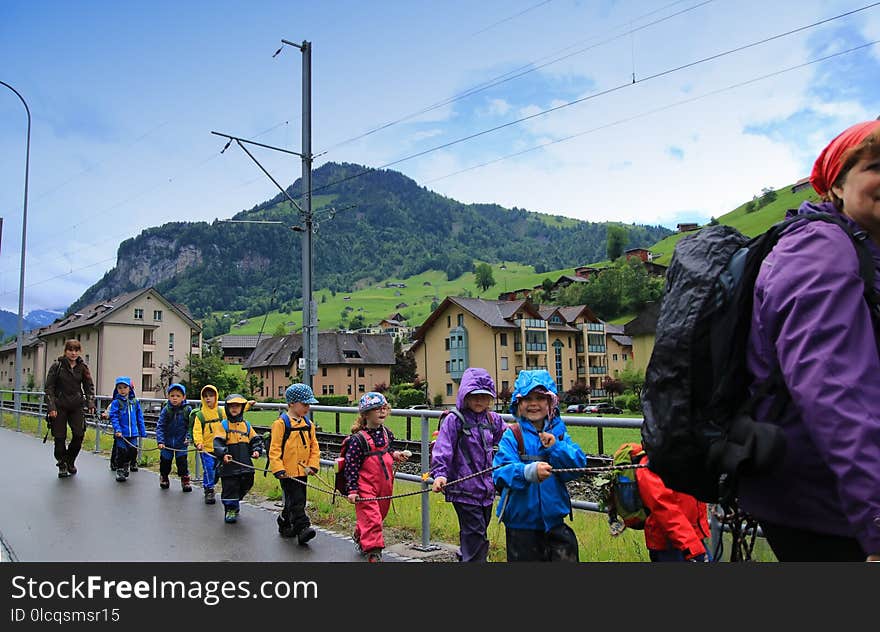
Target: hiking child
x: 235, y: 446
x: 172, y: 439
x: 534, y: 500
x: 812, y: 326
x: 69, y: 388
x: 204, y: 422
x: 677, y: 524
x: 369, y: 472
x: 127, y: 418
x: 294, y: 455
x: 464, y: 446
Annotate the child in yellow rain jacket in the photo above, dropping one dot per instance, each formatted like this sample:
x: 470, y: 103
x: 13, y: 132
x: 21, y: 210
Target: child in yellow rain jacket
x: 235, y: 446
x: 293, y: 455
x: 203, y: 422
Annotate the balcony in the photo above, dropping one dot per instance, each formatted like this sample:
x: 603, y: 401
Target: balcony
x: 598, y: 370
x: 598, y: 392
x: 581, y: 370
x: 596, y: 348
x: 531, y: 323
x: 598, y: 327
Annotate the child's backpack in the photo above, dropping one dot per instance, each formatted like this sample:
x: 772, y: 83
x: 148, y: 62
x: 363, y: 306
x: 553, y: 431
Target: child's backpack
x: 699, y: 432
x: 339, y: 482
x: 619, y: 491
x: 267, y: 437
x: 465, y: 427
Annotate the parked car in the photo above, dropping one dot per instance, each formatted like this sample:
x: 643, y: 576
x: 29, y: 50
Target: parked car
x: 576, y: 408
x: 605, y: 408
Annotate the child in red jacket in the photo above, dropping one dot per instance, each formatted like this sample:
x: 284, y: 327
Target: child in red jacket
x: 677, y: 526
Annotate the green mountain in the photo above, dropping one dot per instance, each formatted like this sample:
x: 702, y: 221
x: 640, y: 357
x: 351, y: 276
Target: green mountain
x: 385, y: 226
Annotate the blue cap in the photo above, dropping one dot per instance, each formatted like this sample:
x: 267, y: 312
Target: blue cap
x: 301, y: 393
x: 371, y: 400
x: 179, y: 387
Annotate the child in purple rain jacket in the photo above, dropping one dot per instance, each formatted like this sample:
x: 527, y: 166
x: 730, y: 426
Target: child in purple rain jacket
x: 465, y: 445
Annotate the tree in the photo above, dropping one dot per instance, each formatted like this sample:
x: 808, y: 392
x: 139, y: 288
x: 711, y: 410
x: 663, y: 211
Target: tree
x: 613, y: 386
x: 279, y: 330
x: 252, y: 384
x: 633, y: 379
x: 579, y: 393
x: 404, y: 369
x: 357, y: 322
x: 504, y: 396
x: 168, y: 374
x: 617, y: 237
x: 484, y: 277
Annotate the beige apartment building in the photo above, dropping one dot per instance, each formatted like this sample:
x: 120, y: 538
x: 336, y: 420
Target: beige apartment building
x: 505, y: 337
x: 348, y: 363
x: 33, y: 351
x: 132, y: 334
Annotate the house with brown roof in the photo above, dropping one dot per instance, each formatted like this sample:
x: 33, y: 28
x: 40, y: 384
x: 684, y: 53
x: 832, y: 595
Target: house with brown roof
x: 803, y: 183
x: 235, y: 348
x: 505, y: 337
x: 348, y: 363
x: 132, y: 334
x: 33, y: 352
x: 683, y: 228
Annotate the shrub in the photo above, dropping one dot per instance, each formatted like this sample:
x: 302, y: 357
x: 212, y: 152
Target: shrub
x: 409, y: 397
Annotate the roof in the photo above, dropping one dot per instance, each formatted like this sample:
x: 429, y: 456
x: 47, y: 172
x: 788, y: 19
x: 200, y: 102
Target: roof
x: 232, y: 341
x: 29, y: 339
x: 613, y: 329
x: 333, y: 348
x: 623, y: 341
x: 96, y: 313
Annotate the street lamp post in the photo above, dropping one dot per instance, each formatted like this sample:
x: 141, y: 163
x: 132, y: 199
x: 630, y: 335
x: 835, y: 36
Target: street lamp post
x: 27, y: 160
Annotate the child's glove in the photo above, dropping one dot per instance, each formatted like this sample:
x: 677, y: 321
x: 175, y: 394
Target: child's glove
x: 439, y: 484
x: 280, y: 474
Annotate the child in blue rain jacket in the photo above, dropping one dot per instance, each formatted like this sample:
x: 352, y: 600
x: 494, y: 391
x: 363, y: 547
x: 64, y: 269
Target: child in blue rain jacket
x: 534, y: 499
x: 127, y: 418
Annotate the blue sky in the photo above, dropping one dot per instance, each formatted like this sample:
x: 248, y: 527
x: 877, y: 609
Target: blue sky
x: 124, y: 96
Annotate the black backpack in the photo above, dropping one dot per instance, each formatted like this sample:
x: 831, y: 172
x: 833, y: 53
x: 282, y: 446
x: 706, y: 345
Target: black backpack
x: 698, y: 431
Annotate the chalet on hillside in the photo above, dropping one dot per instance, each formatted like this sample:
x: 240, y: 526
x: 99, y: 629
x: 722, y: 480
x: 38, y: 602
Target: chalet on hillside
x: 684, y: 228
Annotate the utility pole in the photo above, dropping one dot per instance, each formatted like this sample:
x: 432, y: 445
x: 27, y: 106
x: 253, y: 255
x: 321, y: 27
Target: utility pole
x: 309, y: 227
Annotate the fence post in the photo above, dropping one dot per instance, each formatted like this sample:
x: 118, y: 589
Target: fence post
x: 426, y: 501
x: 600, y: 440
x: 98, y: 425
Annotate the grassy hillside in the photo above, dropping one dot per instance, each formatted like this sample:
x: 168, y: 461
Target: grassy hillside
x: 376, y: 301
x: 750, y: 224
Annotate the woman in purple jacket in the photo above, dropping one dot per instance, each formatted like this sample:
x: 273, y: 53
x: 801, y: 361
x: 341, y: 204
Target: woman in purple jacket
x: 812, y: 323
x: 464, y: 446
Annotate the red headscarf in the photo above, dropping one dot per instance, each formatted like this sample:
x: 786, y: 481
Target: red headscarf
x: 828, y: 165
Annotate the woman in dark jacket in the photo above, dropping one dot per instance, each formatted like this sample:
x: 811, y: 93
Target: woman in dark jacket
x: 69, y: 389
x: 812, y: 323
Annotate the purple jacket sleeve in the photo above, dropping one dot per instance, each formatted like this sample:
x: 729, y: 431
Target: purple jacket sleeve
x: 812, y: 306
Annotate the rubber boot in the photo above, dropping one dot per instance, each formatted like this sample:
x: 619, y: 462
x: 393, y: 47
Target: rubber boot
x: 185, y: 484
x: 210, y: 499
x: 164, y: 483
x: 305, y: 535
x: 62, y: 470
x: 120, y: 475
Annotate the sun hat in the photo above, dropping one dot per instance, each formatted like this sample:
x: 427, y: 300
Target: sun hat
x: 301, y: 393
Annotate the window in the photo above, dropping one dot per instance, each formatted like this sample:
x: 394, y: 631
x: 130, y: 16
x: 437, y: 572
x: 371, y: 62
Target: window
x: 87, y: 358
x: 280, y: 391
x: 193, y: 339
x: 157, y: 314
x: 449, y: 390
x: 360, y: 371
x: 146, y: 383
x: 138, y: 314
x: 349, y: 389
x: 323, y: 371
x: 614, y: 357
x: 148, y: 337
x: 349, y: 371
x: 446, y: 343
x: 361, y: 388
x: 460, y: 320
x: 504, y: 365
x: 505, y: 385
x: 447, y: 366
x: 624, y: 357
x: 448, y: 321
x: 147, y: 360
x: 324, y: 390
x: 171, y: 341
x: 88, y: 335
x: 331, y: 388
x: 502, y: 340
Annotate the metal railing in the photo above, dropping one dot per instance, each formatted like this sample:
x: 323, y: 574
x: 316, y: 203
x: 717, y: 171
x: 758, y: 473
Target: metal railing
x: 423, y: 416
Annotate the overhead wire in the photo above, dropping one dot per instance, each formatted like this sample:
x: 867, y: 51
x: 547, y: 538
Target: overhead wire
x: 653, y: 111
x: 516, y: 73
x: 595, y: 95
